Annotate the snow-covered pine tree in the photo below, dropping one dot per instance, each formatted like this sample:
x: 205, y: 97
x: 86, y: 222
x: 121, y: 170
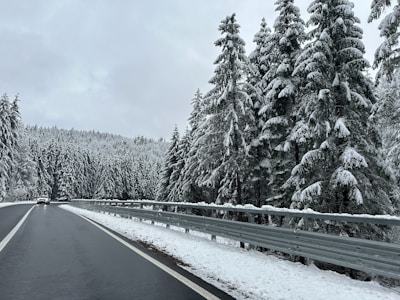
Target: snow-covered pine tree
x: 223, y: 148
x: 387, y: 116
x: 259, y: 165
x: 92, y: 163
x: 79, y: 166
x: 39, y: 158
x: 177, y: 176
x: 85, y: 169
x: 21, y: 172
x: 105, y: 187
x: 171, y: 158
x: 137, y: 192
x: 197, y: 112
x: 65, y: 176
x: 6, y: 149
x: 387, y: 55
x: 281, y: 94
x: 189, y: 189
x: 23, y: 176
x: 342, y: 170
x: 126, y: 178
x: 259, y: 66
x: 53, y: 151
x: 147, y: 177
x: 15, y: 122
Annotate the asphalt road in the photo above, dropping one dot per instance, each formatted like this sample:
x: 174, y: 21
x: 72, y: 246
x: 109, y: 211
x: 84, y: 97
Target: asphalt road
x: 10, y: 216
x: 58, y: 255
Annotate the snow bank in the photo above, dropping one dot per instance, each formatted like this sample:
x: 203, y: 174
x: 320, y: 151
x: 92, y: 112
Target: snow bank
x: 3, y: 204
x: 242, y: 273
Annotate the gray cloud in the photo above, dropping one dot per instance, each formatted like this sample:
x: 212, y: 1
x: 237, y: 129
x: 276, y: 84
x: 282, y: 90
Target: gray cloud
x: 126, y: 67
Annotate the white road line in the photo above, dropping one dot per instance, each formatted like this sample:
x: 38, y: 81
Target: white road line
x: 10, y: 235
x: 198, y: 289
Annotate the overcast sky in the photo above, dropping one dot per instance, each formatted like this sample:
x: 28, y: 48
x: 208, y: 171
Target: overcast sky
x: 127, y: 67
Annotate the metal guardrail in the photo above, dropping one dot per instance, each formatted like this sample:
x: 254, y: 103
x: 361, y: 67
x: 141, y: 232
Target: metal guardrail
x: 373, y: 257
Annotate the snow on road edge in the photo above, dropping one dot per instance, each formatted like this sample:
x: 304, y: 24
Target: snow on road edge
x: 241, y: 273
x: 4, y: 204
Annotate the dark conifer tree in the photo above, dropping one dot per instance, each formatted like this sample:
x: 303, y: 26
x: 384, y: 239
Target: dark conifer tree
x: 171, y: 158
x: 283, y: 49
x: 223, y: 147
x: 341, y: 170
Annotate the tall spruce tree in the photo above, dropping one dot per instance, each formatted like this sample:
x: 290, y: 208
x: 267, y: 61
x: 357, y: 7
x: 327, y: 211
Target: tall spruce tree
x: 42, y: 176
x: 257, y: 189
x: 65, y: 176
x: 177, y: 177
x: 52, y: 157
x: 148, y: 177
x: 6, y: 147
x: 171, y: 158
x: 387, y: 116
x: 105, y: 187
x: 223, y: 148
x: 341, y: 170
x: 23, y: 176
x: 21, y: 172
x: 189, y: 188
x: 259, y: 66
x: 127, y: 182
x: 281, y: 94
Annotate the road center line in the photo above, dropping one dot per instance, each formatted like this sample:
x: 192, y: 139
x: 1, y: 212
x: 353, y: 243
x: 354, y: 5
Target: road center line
x: 10, y: 235
x: 198, y: 289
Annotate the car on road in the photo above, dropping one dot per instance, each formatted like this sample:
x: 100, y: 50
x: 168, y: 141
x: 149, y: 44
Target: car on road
x: 43, y: 200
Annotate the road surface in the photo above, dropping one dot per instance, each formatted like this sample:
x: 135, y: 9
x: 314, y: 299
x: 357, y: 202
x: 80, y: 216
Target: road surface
x: 58, y: 255
x: 10, y: 216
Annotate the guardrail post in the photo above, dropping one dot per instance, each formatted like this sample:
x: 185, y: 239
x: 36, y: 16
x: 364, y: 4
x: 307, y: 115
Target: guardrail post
x: 307, y: 226
x: 141, y: 207
x: 186, y: 212
x: 251, y: 219
x: 153, y: 207
x: 214, y: 215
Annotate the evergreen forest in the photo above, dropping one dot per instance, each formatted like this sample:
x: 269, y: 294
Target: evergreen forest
x: 68, y: 164
x: 299, y: 122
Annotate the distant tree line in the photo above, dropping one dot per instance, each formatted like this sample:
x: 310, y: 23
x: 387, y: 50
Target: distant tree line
x: 66, y: 164
x: 297, y: 123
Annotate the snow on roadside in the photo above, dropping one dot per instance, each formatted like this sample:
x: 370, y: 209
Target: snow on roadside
x: 242, y: 273
x: 4, y: 204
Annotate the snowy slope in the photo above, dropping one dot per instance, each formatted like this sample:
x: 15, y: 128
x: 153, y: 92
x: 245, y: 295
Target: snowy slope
x: 243, y: 274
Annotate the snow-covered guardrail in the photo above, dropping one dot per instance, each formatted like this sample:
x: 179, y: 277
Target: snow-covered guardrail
x: 374, y: 257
